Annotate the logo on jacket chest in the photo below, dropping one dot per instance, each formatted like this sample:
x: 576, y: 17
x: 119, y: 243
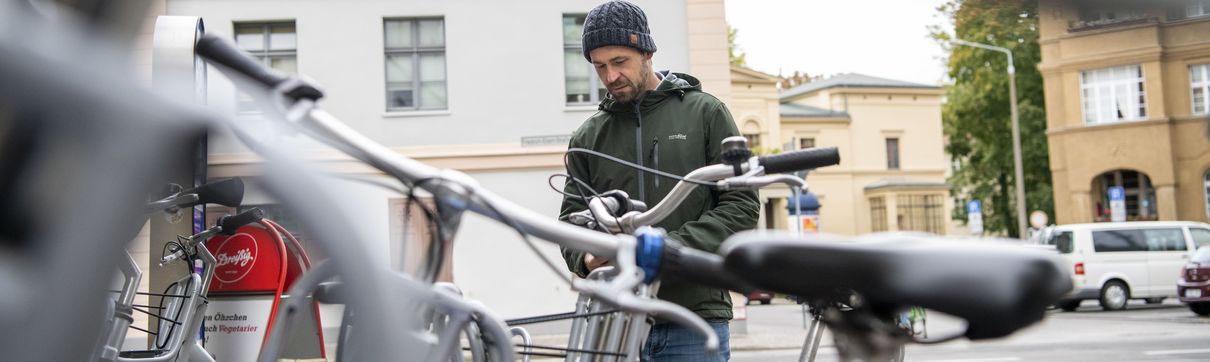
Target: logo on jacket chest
x: 678, y: 136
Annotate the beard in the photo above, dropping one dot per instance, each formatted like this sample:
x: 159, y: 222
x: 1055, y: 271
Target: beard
x: 632, y: 91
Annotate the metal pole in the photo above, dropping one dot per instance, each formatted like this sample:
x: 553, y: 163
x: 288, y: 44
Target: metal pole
x: 1020, y: 173
x: 1018, y: 170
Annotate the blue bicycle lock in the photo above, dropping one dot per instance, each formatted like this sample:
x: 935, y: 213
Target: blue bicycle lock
x: 649, y: 245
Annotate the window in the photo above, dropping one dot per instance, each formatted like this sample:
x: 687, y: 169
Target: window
x: 920, y: 213
x: 806, y: 143
x: 273, y: 44
x: 1102, y: 15
x: 1164, y: 239
x: 1201, y: 237
x: 1138, y: 194
x: 1199, y: 85
x: 1206, y: 190
x: 1113, y: 94
x: 1197, y: 8
x: 580, y: 78
x: 1062, y: 242
x: 753, y: 139
x: 892, y: 153
x: 411, y: 238
x: 1118, y: 240
x: 415, y: 64
x: 878, y: 214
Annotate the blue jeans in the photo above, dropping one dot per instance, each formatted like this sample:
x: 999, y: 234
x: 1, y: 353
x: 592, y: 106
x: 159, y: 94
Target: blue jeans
x: 670, y: 342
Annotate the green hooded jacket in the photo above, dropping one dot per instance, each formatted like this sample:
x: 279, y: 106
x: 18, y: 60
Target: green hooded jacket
x: 675, y: 128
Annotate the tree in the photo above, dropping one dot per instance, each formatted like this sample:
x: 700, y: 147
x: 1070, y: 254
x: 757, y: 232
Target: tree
x: 976, y: 115
x: 737, y: 55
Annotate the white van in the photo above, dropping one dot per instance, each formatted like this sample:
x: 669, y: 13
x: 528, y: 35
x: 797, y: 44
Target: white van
x: 1116, y: 262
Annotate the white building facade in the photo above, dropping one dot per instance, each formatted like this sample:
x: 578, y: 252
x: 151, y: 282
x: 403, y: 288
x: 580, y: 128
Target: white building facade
x: 490, y: 88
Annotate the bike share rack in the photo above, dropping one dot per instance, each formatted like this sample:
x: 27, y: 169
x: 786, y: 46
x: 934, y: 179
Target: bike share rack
x: 256, y: 265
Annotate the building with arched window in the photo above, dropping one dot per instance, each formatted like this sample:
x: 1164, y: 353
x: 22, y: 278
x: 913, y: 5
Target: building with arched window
x: 1126, y: 86
x: 893, y: 166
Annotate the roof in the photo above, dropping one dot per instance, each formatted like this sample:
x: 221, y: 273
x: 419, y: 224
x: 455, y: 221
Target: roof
x: 741, y: 74
x: 902, y: 183
x: 851, y: 80
x: 802, y: 110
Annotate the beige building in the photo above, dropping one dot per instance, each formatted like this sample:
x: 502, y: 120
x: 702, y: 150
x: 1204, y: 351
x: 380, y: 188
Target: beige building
x: 1126, y: 105
x: 893, y: 166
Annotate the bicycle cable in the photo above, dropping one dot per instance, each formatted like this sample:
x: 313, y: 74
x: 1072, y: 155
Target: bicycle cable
x: 636, y: 166
x: 528, y: 242
x: 580, y: 191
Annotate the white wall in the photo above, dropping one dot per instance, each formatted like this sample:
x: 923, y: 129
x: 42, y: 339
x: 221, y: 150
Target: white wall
x: 505, y: 81
x: 504, y: 62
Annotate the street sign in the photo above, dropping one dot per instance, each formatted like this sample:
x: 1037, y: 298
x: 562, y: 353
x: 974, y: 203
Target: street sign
x: 1117, y: 204
x: 974, y: 216
x: 1038, y: 219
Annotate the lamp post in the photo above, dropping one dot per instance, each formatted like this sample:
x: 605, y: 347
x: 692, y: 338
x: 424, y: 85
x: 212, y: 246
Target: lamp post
x: 1012, y: 89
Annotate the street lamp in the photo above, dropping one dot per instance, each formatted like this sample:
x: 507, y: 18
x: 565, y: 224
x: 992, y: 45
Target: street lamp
x: 1012, y: 89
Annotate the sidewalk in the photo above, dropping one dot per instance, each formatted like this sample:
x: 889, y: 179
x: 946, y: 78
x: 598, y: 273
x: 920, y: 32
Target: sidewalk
x: 757, y: 338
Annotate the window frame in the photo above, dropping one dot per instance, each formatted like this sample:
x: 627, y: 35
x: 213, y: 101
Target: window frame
x: 1196, y: 244
x: 1202, y: 5
x: 1204, y: 85
x: 802, y: 142
x: 921, y: 212
x: 1206, y: 190
x: 264, y: 55
x: 878, y: 214
x: 415, y: 51
x: 1098, y: 86
x: 1137, y: 242
x: 596, y: 90
x: 893, y: 163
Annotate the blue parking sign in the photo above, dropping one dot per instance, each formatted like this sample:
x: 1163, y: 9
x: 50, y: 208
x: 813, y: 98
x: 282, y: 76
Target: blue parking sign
x: 974, y: 207
x: 1117, y: 194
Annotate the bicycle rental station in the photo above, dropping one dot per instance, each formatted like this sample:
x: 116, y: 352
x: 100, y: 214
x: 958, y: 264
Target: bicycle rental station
x: 242, y: 287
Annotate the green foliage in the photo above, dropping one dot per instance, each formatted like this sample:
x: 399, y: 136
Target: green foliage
x: 761, y: 151
x: 737, y: 55
x: 976, y: 114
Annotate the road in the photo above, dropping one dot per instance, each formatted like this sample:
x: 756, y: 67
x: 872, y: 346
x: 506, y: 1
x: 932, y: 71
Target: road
x: 1164, y: 332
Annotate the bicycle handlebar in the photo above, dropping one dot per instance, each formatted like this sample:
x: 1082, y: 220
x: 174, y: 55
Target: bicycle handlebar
x: 229, y: 224
x: 699, y: 267
x: 228, y: 192
x: 798, y: 160
x: 224, y: 52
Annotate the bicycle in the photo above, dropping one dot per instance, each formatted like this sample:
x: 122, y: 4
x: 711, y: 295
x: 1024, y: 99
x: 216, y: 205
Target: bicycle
x: 388, y: 333
x: 458, y: 193
x: 187, y: 295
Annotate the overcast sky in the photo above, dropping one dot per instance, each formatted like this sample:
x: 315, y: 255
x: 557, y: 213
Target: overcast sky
x: 885, y: 38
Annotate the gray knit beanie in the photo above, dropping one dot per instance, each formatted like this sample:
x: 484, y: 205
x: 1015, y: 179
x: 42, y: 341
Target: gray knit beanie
x: 617, y: 23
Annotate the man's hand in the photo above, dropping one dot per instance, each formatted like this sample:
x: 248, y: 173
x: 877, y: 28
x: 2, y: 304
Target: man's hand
x: 593, y: 262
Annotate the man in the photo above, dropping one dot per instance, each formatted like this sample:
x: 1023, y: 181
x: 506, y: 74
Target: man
x: 663, y: 121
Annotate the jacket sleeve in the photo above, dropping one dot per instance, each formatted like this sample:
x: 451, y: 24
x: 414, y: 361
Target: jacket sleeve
x: 735, y: 210
x: 577, y: 167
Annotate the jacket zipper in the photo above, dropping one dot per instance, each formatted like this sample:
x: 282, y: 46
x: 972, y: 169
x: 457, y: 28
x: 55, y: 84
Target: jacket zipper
x: 638, y: 147
x: 655, y: 159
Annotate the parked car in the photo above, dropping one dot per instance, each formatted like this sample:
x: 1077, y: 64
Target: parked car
x: 1193, y: 287
x: 763, y: 297
x: 1115, y: 262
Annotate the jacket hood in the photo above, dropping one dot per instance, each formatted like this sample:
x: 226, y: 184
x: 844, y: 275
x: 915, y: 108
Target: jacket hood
x: 672, y: 84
